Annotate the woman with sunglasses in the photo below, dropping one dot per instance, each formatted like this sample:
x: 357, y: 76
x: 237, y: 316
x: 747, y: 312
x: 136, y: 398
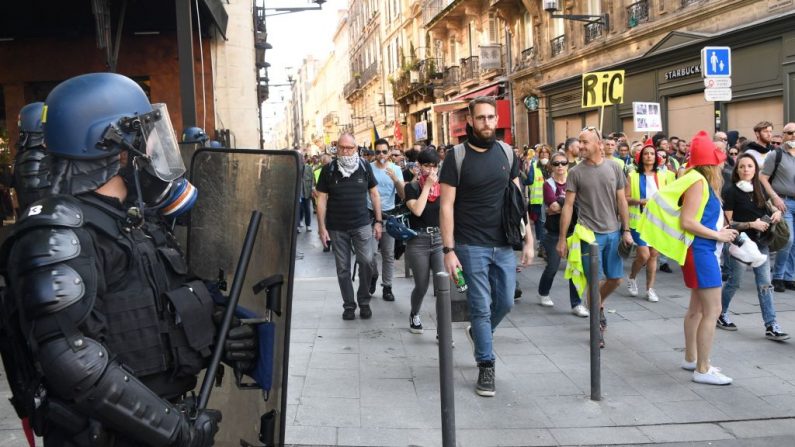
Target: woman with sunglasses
x: 745, y: 205
x: 642, y: 184
x: 554, y: 196
x: 424, y: 252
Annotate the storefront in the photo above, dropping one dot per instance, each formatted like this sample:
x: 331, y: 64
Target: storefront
x: 763, y: 77
x: 455, y: 114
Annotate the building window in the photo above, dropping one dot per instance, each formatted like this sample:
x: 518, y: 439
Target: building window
x: 528, y: 30
x: 494, y: 34
x: 637, y: 12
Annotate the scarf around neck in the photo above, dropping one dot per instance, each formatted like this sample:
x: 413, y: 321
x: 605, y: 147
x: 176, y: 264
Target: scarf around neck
x: 479, y: 142
x: 348, y: 164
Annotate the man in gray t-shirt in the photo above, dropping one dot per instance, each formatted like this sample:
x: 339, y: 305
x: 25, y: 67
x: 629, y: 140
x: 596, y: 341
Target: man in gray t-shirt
x: 782, y: 190
x: 596, y: 185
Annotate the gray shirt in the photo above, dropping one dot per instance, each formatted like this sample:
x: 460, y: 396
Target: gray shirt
x: 784, y: 181
x: 596, y: 188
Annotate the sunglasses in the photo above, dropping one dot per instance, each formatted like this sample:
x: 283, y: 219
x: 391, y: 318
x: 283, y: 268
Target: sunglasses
x: 381, y: 152
x: 593, y: 129
x: 776, y: 143
x: 733, y: 153
x: 789, y: 132
x: 559, y: 163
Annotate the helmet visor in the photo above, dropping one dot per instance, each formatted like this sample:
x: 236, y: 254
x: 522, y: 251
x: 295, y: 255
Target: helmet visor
x: 162, y: 149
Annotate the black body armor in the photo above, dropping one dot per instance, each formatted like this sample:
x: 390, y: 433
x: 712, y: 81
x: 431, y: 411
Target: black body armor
x: 31, y: 175
x: 110, y: 329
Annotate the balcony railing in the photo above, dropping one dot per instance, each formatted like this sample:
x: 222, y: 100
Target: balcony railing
x: 350, y: 87
x: 638, y: 12
x: 259, y: 18
x: 686, y: 3
x: 593, y: 30
x: 470, y: 69
x: 369, y: 73
x: 526, y: 58
x: 432, y: 9
x: 558, y: 45
x: 452, y: 76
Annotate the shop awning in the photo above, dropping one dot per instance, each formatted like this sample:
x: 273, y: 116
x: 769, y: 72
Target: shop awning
x: 491, y: 90
x: 449, y: 106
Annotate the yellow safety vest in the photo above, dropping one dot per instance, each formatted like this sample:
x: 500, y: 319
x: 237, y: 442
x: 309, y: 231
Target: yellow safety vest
x: 634, y: 192
x: 537, y: 188
x: 660, y: 225
x: 575, y: 271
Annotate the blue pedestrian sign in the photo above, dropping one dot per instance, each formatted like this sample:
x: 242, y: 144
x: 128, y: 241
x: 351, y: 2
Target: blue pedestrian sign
x: 716, y: 62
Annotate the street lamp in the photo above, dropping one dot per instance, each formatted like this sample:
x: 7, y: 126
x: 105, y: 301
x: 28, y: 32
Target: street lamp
x: 551, y: 6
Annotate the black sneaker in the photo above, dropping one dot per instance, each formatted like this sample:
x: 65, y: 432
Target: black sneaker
x: 773, y: 332
x: 789, y: 285
x: 485, y: 386
x: 665, y: 268
x: 365, y: 312
x: 349, y: 314
x: 387, y: 294
x: 725, y: 323
x: 778, y: 286
x: 517, y: 294
x: 415, y: 324
x: 373, y: 283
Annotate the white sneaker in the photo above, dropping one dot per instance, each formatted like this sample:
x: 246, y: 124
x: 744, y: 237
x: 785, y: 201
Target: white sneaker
x: 711, y: 377
x: 545, y: 301
x: 632, y: 286
x: 651, y: 295
x: 691, y: 366
x: 580, y: 311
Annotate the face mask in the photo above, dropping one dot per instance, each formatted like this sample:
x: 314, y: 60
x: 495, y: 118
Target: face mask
x: 544, y: 161
x: 791, y: 144
x: 745, y: 186
x: 348, y: 164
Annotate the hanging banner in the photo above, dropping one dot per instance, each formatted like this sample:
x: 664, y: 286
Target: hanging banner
x: 490, y: 57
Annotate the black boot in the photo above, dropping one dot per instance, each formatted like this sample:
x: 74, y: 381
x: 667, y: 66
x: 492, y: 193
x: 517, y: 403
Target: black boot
x: 387, y: 295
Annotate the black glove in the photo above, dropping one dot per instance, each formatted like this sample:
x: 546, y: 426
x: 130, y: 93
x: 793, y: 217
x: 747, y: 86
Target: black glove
x: 201, y: 431
x: 241, y: 347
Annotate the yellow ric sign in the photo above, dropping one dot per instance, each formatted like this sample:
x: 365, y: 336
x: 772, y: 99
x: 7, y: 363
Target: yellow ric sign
x: 602, y: 88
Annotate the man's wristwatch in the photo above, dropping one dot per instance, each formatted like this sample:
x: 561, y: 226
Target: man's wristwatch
x: 446, y: 250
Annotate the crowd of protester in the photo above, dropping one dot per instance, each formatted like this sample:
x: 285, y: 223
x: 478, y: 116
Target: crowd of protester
x: 729, y: 188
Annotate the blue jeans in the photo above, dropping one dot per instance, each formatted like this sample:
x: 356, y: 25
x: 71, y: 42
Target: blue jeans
x: 784, y: 268
x: 550, y: 242
x: 305, y: 211
x: 610, y: 264
x: 490, y: 273
x: 764, y: 289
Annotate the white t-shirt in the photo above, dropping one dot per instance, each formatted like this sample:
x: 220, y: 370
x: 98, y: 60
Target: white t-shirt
x: 651, y: 186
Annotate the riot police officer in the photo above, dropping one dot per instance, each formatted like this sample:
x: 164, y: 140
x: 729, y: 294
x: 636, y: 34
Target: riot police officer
x: 31, y: 165
x: 111, y: 328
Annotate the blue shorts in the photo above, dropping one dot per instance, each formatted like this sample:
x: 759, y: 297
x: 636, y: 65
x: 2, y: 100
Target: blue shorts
x: 610, y: 263
x: 636, y: 237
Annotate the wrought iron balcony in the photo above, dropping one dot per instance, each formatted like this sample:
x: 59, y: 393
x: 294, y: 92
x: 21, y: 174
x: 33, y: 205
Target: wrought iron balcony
x: 558, y: 45
x: 637, y: 12
x: 432, y: 9
x: 259, y: 18
x: 470, y: 69
x: 686, y: 3
x: 526, y: 58
x: 351, y: 87
x: 369, y: 73
x: 452, y: 76
x: 593, y: 30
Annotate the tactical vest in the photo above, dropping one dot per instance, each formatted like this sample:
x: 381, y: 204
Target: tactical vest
x: 660, y: 225
x: 634, y: 187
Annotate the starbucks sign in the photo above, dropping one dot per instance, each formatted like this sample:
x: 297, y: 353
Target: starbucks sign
x: 531, y: 102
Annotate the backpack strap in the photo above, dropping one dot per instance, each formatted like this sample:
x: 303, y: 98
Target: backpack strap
x: 459, y: 151
x: 779, y: 155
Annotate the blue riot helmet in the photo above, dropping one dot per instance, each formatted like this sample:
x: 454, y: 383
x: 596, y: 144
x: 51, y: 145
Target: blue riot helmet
x: 195, y: 135
x: 31, y: 164
x: 31, y: 133
x: 215, y: 144
x: 90, y: 119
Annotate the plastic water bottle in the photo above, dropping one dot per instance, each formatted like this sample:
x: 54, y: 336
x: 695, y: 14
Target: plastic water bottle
x: 460, y: 283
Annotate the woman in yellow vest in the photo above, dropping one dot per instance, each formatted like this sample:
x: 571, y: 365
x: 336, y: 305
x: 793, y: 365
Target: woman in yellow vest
x: 642, y: 184
x: 693, y: 235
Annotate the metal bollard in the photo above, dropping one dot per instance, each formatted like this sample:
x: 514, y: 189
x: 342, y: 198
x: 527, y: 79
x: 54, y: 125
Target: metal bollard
x: 444, y: 330
x: 596, y: 301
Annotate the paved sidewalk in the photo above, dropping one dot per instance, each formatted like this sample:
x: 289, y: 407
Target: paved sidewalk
x: 372, y: 382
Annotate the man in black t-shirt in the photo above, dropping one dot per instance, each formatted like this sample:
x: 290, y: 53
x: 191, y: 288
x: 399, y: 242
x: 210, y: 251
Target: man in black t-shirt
x: 343, y: 217
x: 472, y: 233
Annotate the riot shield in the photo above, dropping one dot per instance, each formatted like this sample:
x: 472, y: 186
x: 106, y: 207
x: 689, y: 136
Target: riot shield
x: 231, y: 184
